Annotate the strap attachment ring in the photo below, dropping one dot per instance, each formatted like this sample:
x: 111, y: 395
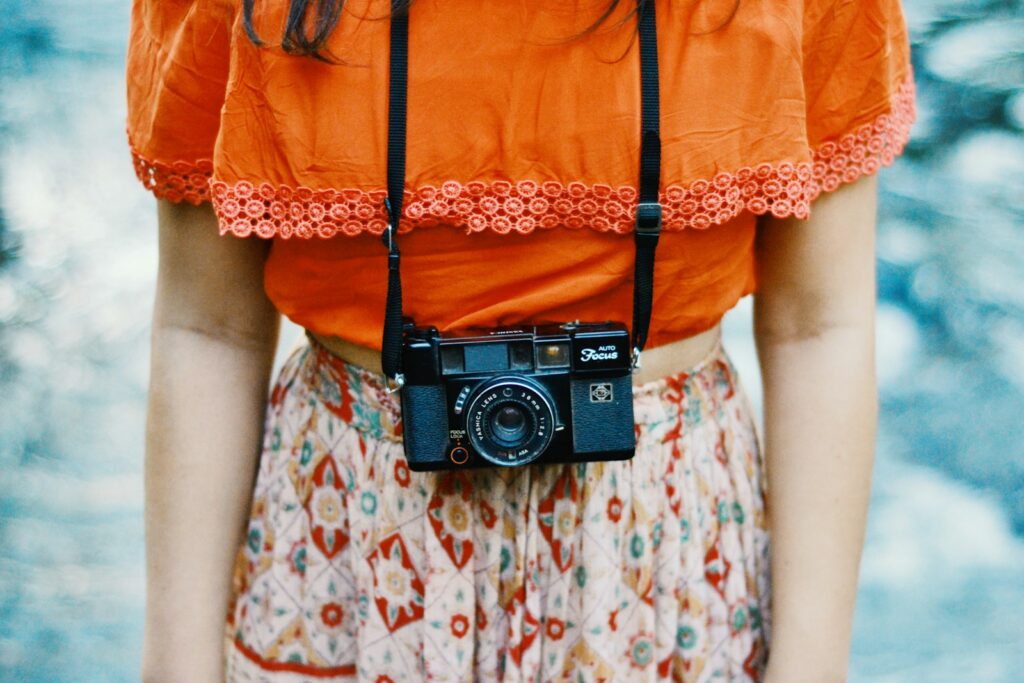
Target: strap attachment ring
x: 648, y: 218
x: 393, y: 385
x: 634, y: 364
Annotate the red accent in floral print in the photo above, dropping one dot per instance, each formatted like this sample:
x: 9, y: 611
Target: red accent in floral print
x: 330, y: 538
x: 396, y: 614
x: 665, y: 668
x: 529, y: 626
x: 615, y: 508
x: 780, y: 189
x: 277, y: 395
x: 752, y: 661
x: 675, y: 396
x: 550, y: 515
x: 343, y: 408
x: 450, y: 514
x: 716, y: 569
x: 331, y: 614
x: 460, y: 625
x: 555, y: 628
x: 296, y: 561
x: 487, y: 514
x: 481, y: 618
x: 721, y: 454
x: 722, y: 375
x: 293, y: 667
x: 402, y: 475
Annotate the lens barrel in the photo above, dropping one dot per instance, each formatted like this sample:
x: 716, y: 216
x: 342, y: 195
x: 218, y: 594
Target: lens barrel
x: 510, y: 421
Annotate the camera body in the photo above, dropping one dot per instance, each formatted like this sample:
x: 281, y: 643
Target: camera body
x: 510, y: 396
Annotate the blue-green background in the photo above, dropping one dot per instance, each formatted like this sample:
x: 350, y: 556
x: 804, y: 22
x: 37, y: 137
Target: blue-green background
x: 942, y: 584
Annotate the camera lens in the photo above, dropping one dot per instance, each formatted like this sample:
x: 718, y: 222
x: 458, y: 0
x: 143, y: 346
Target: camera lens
x: 509, y: 417
x: 510, y: 420
x: 508, y: 424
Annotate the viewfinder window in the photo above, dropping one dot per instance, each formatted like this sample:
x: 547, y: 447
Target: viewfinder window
x: 451, y: 359
x: 521, y: 355
x: 487, y: 357
x: 553, y: 355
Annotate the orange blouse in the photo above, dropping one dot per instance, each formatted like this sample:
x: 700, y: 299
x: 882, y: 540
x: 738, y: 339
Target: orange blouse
x: 523, y: 148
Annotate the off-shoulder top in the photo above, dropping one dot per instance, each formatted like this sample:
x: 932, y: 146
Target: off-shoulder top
x: 522, y: 154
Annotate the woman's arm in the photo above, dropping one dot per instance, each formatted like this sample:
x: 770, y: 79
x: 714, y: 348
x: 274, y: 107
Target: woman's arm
x: 814, y: 326
x: 213, y: 342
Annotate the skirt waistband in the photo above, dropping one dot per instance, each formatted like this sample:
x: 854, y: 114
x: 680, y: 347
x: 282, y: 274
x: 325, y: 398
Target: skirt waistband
x: 359, y: 394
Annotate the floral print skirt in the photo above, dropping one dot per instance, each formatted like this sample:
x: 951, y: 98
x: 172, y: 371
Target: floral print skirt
x: 356, y: 568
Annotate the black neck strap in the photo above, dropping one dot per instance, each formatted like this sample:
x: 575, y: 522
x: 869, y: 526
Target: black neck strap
x: 648, y: 210
x: 391, y: 351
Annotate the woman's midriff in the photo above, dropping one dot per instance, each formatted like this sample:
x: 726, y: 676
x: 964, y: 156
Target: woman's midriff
x: 489, y: 279
x: 660, y: 361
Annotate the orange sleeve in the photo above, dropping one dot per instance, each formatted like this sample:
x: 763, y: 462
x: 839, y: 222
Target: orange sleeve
x: 858, y: 84
x: 176, y: 74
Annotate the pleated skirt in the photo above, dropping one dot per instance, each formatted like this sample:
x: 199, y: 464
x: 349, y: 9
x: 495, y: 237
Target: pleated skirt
x: 354, y: 567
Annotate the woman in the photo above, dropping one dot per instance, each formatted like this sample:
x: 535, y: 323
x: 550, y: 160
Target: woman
x: 296, y: 523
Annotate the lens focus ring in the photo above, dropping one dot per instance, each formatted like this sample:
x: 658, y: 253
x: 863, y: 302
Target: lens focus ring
x: 509, y: 421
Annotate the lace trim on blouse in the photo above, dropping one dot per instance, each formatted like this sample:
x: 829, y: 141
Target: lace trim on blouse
x: 177, y: 182
x: 783, y: 190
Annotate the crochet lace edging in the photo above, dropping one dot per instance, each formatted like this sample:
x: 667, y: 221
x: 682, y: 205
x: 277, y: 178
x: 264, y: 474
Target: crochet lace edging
x: 187, y: 181
x: 783, y: 190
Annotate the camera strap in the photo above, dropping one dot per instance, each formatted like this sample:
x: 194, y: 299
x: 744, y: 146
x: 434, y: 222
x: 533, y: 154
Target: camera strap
x: 391, y: 350
x: 648, y: 211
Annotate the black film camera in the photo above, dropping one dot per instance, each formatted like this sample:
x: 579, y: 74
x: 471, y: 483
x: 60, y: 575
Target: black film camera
x: 515, y: 395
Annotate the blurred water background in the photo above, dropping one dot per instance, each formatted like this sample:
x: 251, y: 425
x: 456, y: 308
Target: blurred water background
x: 942, y: 585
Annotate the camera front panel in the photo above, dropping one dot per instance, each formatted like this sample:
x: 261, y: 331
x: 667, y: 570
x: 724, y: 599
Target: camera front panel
x: 425, y: 426
x: 514, y: 396
x: 602, y: 416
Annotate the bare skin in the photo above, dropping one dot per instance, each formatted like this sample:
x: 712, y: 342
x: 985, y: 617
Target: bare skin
x: 814, y: 322
x: 214, y: 336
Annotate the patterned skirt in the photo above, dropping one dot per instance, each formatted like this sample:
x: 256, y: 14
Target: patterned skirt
x: 356, y: 568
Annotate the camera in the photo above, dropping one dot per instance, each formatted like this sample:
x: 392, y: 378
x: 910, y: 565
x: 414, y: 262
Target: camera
x: 510, y: 396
